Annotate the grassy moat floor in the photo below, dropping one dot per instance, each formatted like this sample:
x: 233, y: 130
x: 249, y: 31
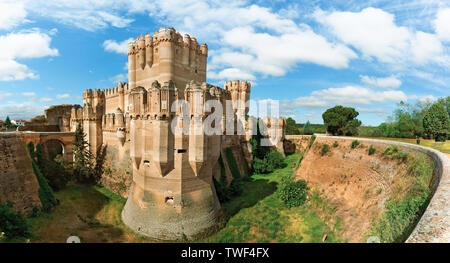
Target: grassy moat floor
x: 257, y: 215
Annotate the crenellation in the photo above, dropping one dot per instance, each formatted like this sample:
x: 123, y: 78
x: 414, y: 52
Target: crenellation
x: 175, y: 167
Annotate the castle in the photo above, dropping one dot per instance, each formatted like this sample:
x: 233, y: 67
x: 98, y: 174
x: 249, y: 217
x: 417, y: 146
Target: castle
x: 172, y: 157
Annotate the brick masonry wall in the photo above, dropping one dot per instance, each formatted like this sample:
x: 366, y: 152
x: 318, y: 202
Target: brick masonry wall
x: 18, y: 182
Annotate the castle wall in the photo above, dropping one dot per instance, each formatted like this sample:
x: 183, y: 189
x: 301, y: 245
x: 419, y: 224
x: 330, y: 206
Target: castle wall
x: 18, y: 182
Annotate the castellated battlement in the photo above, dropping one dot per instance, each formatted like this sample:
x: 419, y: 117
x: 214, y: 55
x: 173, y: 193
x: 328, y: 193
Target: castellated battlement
x: 164, y: 56
x: 120, y: 89
x: 155, y: 124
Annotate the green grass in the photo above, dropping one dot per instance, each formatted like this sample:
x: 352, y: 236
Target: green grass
x: 440, y: 146
x: 89, y: 212
x: 258, y: 215
x: 410, y: 199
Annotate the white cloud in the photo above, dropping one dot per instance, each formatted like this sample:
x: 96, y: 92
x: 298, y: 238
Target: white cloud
x: 442, y: 24
x: 378, y: 111
x: 238, y: 28
x: 428, y: 99
x: 89, y: 15
x: 11, y: 70
x: 276, y: 54
x: 20, y: 110
x: 388, y: 82
x: 118, y: 78
x: 13, y: 14
x: 375, y: 34
x: 117, y: 47
x: 5, y: 94
x: 348, y: 96
x: 45, y: 99
x: 28, y: 94
x: 231, y: 73
x: 25, y: 44
x: 63, y: 96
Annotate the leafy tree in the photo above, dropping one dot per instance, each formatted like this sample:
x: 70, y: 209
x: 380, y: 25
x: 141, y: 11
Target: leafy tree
x: 446, y: 102
x: 291, y: 127
x: 341, y: 120
x: 307, y: 129
x: 436, y: 122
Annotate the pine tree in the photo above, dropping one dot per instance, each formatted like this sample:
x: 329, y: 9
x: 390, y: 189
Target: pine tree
x: 307, y: 129
x: 8, y: 122
x: 87, y: 167
x: 83, y: 164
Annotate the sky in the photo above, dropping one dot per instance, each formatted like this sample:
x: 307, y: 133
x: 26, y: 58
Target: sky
x: 308, y: 55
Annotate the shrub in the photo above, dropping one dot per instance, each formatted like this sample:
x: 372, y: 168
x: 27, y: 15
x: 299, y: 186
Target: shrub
x: 273, y: 160
x: 400, y: 156
x: 55, y: 171
x: 12, y: 223
x: 399, y: 215
x: 311, y: 141
x: 335, y: 144
x: 293, y: 193
x: 45, y: 191
x: 372, y: 150
x: 390, y: 150
x: 325, y: 149
x: 355, y: 143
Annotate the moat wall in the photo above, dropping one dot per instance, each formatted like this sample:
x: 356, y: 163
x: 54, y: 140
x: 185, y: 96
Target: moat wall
x: 18, y: 182
x: 434, y: 224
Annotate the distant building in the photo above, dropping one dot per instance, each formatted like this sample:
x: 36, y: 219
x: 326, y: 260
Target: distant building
x: 2, y: 124
x: 18, y: 122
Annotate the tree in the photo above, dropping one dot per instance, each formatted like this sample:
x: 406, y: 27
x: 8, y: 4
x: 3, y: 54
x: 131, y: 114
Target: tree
x: 8, y: 122
x: 436, y: 122
x: 341, y: 120
x: 291, y: 127
x: 307, y: 129
x: 87, y: 168
x: 446, y: 102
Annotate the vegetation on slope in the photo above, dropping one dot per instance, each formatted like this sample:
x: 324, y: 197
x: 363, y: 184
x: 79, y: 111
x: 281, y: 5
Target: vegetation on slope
x: 410, y: 197
x: 259, y: 215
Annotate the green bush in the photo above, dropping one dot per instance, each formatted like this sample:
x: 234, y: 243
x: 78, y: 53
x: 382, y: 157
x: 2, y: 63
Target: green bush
x: 273, y: 160
x: 293, y: 193
x: 390, y: 150
x: 311, y: 141
x: 400, y: 156
x: 12, y: 223
x: 398, y: 218
x: 325, y: 149
x: 335, y: 144
x: 54, y: 171
x: 372, y: 150
x: 355, y: 143
x: 45, y: 192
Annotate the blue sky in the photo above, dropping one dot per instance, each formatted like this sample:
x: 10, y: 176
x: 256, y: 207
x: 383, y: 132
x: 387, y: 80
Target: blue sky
x: 309, y: 55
